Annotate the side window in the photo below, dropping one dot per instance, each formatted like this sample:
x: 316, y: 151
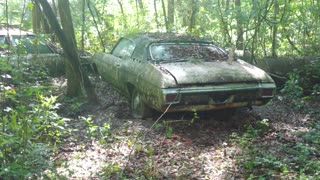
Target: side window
x: 140, y: 52
x: 124, y: 48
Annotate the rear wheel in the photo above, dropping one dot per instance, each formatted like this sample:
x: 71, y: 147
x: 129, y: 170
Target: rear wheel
x: 139, y: 109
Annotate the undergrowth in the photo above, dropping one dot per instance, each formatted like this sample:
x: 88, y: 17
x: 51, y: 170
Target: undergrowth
x: 29, y: 126
x: 31, y: 130
x: 269, y: 153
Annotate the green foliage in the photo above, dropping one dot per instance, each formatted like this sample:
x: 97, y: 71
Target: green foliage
x: 309, y: 77
x: 292, y: 88
x: 94, y: 131
x: 29, y: 126
x: 27, y: 162
x: 293, y: 25
x: 277, y: 157
x: 168, y: 128
x: 195, y: 117
x: 169, y: 131
x: 18, y: 13
x: 23, y: 129
x: 303, y: 84
x: 112, y: 170
x: 5, y: 67
x: 300, y: 156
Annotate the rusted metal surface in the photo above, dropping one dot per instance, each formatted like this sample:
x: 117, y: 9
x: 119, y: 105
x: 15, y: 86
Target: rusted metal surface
x: 186, y: 84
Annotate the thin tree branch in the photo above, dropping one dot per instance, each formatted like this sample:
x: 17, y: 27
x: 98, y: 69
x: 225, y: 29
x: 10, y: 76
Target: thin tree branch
x: 96, y: 25
x: 292, y: 45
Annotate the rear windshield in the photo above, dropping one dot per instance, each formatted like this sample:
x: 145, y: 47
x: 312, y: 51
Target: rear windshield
x: 29, y: 44
x: 186, y: 51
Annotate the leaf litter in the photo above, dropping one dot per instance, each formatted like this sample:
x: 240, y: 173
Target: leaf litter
x: 178, y: 146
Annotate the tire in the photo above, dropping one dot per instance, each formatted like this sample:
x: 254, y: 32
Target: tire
x: 139, y: 110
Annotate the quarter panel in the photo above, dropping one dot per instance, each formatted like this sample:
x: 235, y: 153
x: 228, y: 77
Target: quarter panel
x: 149, y: 80
x: 107, y: 67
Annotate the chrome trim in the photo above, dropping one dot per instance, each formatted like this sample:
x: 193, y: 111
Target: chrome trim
x: 218, y: 88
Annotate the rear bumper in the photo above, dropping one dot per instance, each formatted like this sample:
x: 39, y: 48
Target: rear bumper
x: 176, y: 108
x: 217, y: 97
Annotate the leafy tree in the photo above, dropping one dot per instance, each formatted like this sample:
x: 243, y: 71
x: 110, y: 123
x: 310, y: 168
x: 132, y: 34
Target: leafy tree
x: 76, y: 76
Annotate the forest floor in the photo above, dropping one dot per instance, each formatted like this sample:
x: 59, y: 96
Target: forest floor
x: 107, y: 143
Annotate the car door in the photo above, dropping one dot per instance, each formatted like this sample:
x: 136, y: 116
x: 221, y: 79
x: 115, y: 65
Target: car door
x: 119, y: 56
x: 137, y: 68
x: 128, y: 68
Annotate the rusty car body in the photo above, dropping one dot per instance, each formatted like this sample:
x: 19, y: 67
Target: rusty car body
x: 174, y: 72
x: 24, y: 47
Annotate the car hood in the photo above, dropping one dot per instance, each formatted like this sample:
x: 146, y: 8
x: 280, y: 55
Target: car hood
x: 215, y: 72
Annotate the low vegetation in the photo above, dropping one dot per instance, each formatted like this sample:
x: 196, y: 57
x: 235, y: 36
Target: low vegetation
x: 44, y: 135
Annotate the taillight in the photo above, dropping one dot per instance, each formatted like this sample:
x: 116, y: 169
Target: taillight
x: 267, y: 92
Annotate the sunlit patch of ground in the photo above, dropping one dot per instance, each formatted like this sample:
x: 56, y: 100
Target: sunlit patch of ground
x: 180, y: 145
x: 82, y: 162
x: 156, y: 155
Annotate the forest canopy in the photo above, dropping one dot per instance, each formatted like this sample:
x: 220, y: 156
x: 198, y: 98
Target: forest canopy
x: 261, y: 27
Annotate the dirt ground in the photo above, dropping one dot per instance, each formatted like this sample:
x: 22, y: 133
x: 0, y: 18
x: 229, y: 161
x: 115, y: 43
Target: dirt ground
x: 177, y: 146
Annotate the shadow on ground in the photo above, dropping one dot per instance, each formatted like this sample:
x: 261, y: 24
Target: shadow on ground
x: 179, y: 145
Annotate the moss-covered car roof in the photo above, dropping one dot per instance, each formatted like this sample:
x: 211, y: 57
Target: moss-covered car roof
x: 166, y: 37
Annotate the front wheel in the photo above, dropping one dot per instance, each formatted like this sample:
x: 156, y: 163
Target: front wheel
x: 139, y: 109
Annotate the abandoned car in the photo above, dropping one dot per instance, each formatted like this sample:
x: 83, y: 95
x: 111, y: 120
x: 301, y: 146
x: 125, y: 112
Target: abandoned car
x: 174, y: 72
x: 20, y: 46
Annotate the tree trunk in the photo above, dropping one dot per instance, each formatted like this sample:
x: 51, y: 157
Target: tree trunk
x: 156, y: 13
x: 239, y: 43
x: 223, y: 23
x: 137, y: 14
x: 165, y: 15
x: 195, y: 9
x: 170, y: 14
x: 140, y: 4
x: 124, y: 18
x: 97, y: 28
x: 54, y: 7
x: 6, y: 12
x: 36, y: 19
x: 275, y: 28
x: 40, y: 24
x: 83, y: 25
x: 67, y: 41
x: 74, y: 83
x: 140, y: 12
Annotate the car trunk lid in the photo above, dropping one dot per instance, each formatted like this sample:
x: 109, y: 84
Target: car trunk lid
x: 218, y: 72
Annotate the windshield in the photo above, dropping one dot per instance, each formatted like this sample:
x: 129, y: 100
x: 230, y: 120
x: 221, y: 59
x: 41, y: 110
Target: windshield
x: 186, y: 51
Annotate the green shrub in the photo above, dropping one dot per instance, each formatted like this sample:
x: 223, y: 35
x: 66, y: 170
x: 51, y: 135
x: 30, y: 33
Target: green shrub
x: 29, y: 126
x: 304, y: 81
x: 283, y: 159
